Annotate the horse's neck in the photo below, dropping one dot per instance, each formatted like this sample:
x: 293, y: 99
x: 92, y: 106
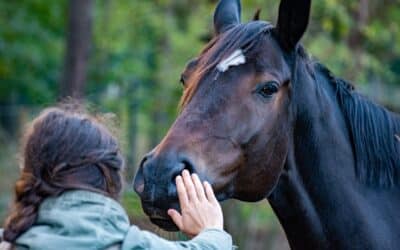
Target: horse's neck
x: 316, y: 181
x: 315, y: 205
x: 318, y: 200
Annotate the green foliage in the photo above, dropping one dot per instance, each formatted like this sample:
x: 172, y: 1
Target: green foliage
x: 31, y: 49
x: 8, y: 172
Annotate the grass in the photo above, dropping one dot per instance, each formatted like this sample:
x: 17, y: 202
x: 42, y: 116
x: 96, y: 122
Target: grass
x: 8, y: 173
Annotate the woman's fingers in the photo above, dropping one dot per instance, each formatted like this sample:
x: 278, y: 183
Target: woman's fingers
x: 182, y: 194
x: 199, y: 187
x: 187, y: 180
x: 176, y: 218
x: 199, y: 207
x: 210, y: 193
x: 190, y: 189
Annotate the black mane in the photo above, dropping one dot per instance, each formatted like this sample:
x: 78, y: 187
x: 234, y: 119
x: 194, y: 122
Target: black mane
x: 373, y: 131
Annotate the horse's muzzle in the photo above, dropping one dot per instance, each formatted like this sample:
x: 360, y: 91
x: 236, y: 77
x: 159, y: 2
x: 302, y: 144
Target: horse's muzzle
x: 155, y: 184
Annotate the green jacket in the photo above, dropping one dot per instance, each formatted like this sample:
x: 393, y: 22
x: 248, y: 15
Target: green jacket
x: 87, y: 220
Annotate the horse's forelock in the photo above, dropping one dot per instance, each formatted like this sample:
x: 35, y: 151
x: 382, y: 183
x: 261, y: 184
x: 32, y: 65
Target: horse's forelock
x: 242, y: 37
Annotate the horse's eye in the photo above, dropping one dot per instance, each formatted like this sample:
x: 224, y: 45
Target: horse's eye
x: 267, y: 89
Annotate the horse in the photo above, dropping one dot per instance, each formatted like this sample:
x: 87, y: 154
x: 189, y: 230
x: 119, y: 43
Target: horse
x: 260, y: 119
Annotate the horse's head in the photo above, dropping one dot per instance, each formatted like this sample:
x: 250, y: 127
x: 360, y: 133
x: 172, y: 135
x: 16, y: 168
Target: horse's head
x: 235, y: 122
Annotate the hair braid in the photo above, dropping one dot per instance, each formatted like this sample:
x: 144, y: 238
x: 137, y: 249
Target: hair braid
x: 25, y: 207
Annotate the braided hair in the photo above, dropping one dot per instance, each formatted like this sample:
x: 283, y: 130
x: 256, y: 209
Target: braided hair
x: 62, y: 150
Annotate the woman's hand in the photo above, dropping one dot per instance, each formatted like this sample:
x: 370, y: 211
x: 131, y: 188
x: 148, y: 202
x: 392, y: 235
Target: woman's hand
x: 199, y: 207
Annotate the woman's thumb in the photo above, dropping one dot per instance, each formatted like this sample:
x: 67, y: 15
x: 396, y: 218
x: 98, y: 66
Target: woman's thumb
x: 176, y: 218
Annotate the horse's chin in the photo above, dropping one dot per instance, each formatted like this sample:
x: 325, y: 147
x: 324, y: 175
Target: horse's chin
x: 165, y: 224
x: 159, y: 216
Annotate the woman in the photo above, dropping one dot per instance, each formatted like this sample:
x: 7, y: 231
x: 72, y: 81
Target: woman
x: 68, y: 189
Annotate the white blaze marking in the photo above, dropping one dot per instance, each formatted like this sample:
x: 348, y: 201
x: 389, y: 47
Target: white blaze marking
x: 235, y: 59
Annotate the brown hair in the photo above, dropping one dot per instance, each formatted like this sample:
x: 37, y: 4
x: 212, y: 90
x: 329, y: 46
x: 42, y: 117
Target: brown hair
x: 62, y: 150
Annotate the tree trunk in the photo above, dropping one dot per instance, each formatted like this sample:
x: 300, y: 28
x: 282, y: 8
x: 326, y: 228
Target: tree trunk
x: 356, y: 38
x: 77, y: 49
x: 133, y: 107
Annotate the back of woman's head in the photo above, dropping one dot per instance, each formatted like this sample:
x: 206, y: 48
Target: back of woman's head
x: 63, y: 150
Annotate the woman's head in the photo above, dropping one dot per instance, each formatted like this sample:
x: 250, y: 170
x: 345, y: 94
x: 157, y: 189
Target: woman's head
x: 63, y: 149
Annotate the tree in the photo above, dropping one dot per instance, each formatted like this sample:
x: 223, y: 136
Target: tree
x: 78, y: 45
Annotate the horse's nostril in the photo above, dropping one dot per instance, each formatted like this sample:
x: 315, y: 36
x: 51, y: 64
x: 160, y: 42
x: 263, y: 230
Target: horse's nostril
x: 145, y: 158
x: 182, y: 166
x: 188, y: 166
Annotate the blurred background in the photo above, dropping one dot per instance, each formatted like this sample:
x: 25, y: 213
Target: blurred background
x: 125, y: 57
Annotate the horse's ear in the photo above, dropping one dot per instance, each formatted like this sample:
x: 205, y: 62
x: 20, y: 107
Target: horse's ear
x: 292, y: 22
x: 226, y: 15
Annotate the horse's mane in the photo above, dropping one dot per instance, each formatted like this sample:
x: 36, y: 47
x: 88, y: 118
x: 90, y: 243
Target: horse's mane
x: 374, y: 134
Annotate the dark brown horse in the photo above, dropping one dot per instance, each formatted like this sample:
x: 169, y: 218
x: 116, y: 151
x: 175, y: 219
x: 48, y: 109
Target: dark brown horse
x: 261, y: 120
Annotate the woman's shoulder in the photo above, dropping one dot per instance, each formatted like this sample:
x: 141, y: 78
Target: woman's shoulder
x: 76, y: 219
x: 81, y: 199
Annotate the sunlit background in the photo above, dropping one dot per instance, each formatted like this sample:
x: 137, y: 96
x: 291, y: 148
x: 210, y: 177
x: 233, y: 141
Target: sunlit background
x: 125, y: 57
